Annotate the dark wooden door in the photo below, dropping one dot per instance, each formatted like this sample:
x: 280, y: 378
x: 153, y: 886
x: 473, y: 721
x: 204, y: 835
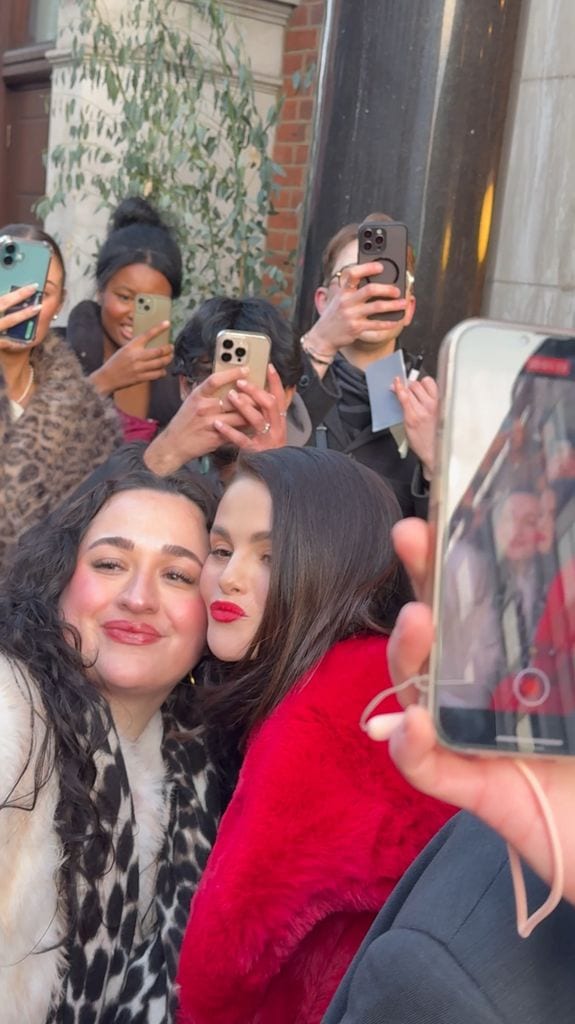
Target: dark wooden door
x: 27, y: 31
x: 26, y: 139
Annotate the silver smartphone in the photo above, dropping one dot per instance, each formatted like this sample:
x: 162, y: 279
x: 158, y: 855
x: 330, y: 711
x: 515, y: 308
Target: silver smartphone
x: 502, y: 670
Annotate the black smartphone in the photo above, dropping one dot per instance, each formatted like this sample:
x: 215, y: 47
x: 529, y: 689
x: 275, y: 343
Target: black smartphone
x: 386, y: 243
x: 22, y: 262
x: 502, y: 670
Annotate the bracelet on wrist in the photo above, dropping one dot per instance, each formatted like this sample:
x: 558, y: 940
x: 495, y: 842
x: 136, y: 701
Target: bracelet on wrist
x: 316, y: 357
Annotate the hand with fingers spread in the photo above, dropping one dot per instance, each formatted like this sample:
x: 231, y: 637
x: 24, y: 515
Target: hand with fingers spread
x: 348, y: 309
x: 492, y: 788
x: 134, y: 363
x: 10, y: 319
x: 264, y: 413
x: 192, y: 432
x: 419, y: 400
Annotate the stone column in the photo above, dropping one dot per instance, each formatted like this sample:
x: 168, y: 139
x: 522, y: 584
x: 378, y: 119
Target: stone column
x: 410, y: 117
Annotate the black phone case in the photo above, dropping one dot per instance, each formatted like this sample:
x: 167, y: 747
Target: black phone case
x: 385, y: 241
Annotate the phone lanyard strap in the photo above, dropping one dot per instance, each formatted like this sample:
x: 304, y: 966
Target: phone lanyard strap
x: 526, y: 924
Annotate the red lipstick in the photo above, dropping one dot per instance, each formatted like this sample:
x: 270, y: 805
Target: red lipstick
x: 136, y: 634
x: 225, y: 611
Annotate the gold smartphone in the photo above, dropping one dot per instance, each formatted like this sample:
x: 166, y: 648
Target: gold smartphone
x: 243, y: 349
x: 149, y: 311
x: 502, y: 670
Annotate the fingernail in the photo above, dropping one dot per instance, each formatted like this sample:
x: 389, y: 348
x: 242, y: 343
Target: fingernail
x: 241, y: 383
x: 272, y: 368
x: 380, y: 727
x: 233, y: 393
x: 217, y: 423
x: 245, y: 371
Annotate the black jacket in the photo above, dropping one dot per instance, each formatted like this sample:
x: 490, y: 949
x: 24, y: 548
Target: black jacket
x: 378, y: 450
x: 85, y: 335
x: 445, y: 949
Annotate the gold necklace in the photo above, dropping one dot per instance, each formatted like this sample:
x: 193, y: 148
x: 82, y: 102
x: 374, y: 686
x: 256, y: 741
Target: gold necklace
x: 26, y: 390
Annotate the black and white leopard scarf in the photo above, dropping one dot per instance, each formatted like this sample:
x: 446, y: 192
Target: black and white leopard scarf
x: 112, y: 977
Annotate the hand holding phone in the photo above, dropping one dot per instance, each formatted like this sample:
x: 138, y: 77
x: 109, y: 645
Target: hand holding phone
x: 242, y: 350
x: 23, y: 262
x: 490, y: 788
x: 153, y: 311
x: 386, y: 243
x: 502, y: 669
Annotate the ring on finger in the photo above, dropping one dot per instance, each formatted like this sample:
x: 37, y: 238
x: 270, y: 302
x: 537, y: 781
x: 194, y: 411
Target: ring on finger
x: 266, y: 428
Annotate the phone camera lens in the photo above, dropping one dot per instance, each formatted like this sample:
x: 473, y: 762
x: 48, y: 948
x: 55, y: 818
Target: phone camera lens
x: 226, y: 357
x: 8, y: 261
x: 240, y: 352
x: 380, y: 239
x: 368, y: 233
x: 367, y: 245
x: 10, y: 248
x: 228, y: 344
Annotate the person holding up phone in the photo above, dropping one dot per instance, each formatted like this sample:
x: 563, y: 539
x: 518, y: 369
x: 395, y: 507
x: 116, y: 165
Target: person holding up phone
x: 349, y: 335
x: 445, y: 947
x: 225, y: 411
x: 140, y: 256
x: 54, y: 427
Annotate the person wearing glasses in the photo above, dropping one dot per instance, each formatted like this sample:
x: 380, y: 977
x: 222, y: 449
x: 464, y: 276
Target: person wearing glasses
x: 208, y: 430
x: 337, y: 350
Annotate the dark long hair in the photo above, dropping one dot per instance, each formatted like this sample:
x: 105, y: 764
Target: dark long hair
x: 333, y: 575
x: 33, y: 635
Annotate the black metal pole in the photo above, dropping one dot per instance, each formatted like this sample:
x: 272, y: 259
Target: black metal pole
x: 411, y: 109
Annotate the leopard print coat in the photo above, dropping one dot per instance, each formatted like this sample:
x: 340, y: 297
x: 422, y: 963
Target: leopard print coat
x: 65, y: 432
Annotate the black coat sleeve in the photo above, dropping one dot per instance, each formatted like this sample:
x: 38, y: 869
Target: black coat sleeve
x: 408, y: 977
x: 318, y: 395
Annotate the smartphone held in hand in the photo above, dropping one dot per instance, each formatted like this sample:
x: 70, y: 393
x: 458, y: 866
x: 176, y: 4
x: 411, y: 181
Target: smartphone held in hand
x: 385, y: 242
x: 237, y: 349
x: 23, y: 262
x: 150, y: 311
x: 502, y: 673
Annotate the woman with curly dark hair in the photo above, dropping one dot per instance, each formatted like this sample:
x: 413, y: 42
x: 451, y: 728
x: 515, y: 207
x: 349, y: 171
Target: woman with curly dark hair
x: 107, y: 810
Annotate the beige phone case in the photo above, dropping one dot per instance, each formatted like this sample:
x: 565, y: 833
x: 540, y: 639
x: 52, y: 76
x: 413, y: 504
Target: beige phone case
x: 242, y: 348
x: 149, y: 311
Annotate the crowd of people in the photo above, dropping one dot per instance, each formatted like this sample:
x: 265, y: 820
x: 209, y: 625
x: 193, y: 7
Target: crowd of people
x: 204, y: 583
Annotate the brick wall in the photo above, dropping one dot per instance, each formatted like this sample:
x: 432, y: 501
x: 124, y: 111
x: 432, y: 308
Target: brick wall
x: 293, y: 134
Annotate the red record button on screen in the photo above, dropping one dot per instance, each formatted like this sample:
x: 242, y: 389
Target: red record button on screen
x: 531, y: 687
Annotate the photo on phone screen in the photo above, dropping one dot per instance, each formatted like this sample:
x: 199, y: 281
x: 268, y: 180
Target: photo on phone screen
x: 503, y: 664
x: 23, y: 262
x: 385, y: 242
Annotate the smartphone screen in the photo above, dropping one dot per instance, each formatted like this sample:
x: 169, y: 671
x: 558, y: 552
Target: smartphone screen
x: 503, y: 665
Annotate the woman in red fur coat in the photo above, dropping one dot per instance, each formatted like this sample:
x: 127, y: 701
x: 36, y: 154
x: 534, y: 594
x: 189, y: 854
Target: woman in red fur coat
x: 302, y: 587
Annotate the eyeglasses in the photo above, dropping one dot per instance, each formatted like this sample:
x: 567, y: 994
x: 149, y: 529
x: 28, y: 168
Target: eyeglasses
x: 409, y: 278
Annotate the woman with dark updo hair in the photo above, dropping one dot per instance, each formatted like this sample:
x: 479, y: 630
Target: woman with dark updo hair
x: 139, y: 255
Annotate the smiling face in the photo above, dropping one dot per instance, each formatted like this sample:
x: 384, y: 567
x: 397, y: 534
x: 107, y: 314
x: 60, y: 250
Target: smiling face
x: 235, y: 578
x: 516, y: 529
x: 118, y: 295
x: 134, y: 596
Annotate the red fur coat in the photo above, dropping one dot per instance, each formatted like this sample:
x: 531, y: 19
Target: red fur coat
x: 319, y: 830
